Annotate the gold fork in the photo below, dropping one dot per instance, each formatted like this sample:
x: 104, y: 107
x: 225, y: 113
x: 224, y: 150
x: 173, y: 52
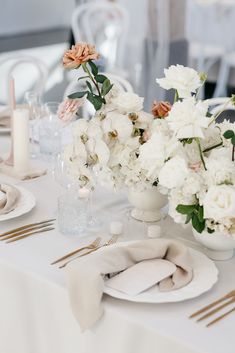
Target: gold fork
x: 111, y: 241
x: 93, y: 245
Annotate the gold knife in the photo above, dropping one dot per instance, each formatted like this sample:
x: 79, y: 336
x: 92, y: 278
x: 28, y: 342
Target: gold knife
x: 26, y: 226
x: 25, y: 231
x: 29, y: 234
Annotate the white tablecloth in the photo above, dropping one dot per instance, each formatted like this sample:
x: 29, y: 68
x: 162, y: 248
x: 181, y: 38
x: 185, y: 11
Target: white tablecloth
x: 35, y: 314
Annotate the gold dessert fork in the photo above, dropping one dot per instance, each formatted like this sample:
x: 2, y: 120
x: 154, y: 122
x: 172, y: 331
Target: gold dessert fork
x: 111, y: 241
x: 93, y: 245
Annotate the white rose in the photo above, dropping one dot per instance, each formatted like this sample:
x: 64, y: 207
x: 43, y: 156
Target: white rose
x: 173, y: 173
x: 127, y: 102
x: 183, y: 79
x: 219, y: 202
x: 187, y: 118
x: 192, y: 184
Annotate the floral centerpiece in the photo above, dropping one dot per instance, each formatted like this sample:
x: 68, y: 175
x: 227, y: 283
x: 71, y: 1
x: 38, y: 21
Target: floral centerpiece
x: 118, y: 145
x: 178, y: 150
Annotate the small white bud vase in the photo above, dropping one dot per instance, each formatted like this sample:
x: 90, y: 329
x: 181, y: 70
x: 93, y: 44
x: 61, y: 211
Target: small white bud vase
x: 219, y: 246
x: 147, y: 204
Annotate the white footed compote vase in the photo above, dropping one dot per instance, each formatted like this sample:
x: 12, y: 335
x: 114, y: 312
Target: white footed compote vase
x: 147, y: 204
x: 219, y: 246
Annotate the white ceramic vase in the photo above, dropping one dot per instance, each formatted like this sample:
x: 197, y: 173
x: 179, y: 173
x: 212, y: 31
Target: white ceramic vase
x: 147, y: 204
x: 219, y: 246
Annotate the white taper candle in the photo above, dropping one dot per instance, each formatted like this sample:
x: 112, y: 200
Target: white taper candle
x: 21, y: 139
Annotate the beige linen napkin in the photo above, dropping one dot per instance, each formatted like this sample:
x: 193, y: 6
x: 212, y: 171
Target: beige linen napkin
x: 8, y: 199
x: 86, y: 274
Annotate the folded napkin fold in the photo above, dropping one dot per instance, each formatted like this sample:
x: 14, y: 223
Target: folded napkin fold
x: 86, y: 274
x: 9, y: 198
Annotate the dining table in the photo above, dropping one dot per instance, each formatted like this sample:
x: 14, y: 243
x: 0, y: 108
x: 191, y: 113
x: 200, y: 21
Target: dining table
x: 35, y: 310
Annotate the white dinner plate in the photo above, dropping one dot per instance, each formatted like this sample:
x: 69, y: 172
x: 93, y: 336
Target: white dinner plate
x: 26, y: 203
x: 205, y: 275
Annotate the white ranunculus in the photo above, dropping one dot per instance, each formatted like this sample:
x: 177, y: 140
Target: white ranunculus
x: 173, y: 173
x: 183, y: 79
x: 127, y: 102
x: 219, y: 202
x: 187, y: 119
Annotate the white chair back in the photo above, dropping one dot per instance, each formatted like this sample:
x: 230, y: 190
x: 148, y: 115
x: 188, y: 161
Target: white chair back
x: 219, y: 104
x: 105, y: 25
x: 17, y: 60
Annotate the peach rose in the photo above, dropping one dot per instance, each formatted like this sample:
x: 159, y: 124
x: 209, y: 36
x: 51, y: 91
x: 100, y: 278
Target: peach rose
x: 67, y: 110
x: 160, y: 109
x: 79, y: 53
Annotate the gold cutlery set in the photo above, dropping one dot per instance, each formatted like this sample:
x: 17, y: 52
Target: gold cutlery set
x: 27, y: 231
x: 94, y: 246
x: 206, y: 312
x: 47, y: 225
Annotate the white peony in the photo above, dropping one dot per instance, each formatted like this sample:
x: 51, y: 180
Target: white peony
x: 154, y: 152
x: 173, y: 173
x: 187, y: 119
x: 193, y: 184
x: 183, y: 79
x: 127, y: 102
x: 220, y: 170
x: 219, y: 202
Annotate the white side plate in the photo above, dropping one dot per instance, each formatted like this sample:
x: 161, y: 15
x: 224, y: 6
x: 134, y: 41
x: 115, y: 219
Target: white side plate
x: 27, y: 201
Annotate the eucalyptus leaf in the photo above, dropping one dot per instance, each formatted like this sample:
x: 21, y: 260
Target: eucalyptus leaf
x: 77, y: 94
x: 96, y: 101
x: 82, y: 77
x: 200, y: 214
x: 94, y: 68
x: 188, y: 218
x: 89, y: 86
x: 229, y: 134
x: 233, y: 140
x: 106, y: 87
x: 100, y: 78
x: 186, y: 209
x: 197, y: 225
